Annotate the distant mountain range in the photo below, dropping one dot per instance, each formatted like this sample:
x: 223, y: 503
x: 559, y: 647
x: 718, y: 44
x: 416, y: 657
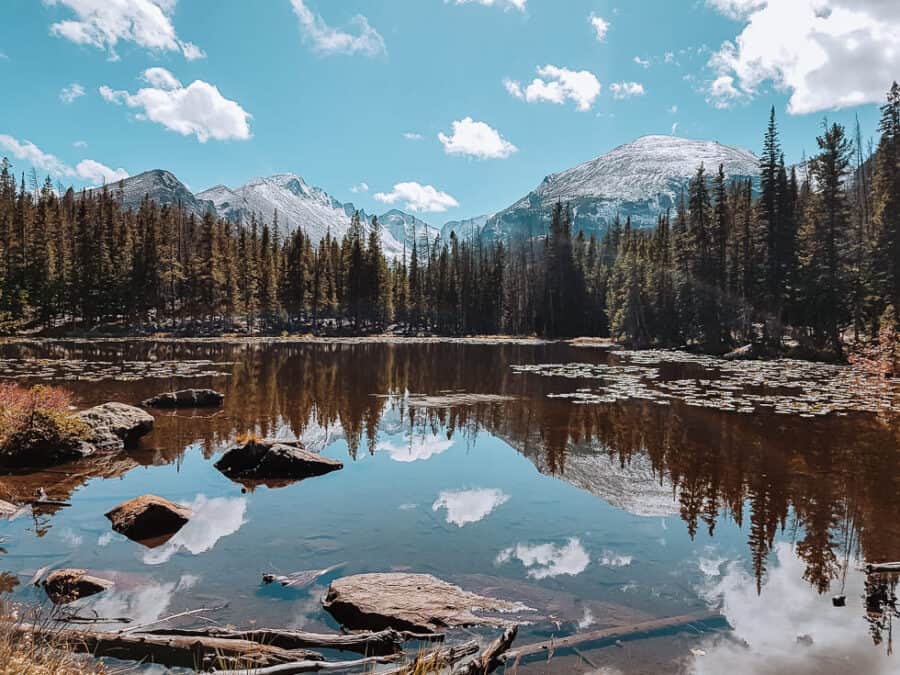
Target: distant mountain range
x: 639, y: 180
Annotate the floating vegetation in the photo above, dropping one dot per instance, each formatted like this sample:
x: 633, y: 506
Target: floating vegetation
x: 97, y: 371
x: 784, y: 386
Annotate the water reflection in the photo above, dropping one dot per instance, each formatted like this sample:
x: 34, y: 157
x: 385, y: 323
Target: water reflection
x: 830, y: 485
x: 787, y: 627
x: 469, y: 506
x: 212, y: 519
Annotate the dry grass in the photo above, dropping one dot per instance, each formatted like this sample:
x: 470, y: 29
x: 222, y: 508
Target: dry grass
x: 23, y: 654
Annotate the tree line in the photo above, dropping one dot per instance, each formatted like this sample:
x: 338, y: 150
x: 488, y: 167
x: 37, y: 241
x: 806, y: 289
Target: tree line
x: 807, y: 252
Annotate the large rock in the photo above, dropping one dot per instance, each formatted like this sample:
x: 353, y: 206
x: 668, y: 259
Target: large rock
x: 64, y: 586
x: 415, y: 602
x: 186, y: 398
x: 271, y: 460
x: 149, y: 520
x: 115, y: 425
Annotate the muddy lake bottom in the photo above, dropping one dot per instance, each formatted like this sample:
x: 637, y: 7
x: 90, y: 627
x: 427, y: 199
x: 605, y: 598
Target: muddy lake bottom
x: 601, y: 488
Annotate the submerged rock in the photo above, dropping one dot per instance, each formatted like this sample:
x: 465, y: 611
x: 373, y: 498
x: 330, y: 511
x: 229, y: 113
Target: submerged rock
x: 68, y: 585
x: 265, y: 460
x: 115, y: 425
x: 416, y: 602
x: 149, y: 520
x: 186, y: 398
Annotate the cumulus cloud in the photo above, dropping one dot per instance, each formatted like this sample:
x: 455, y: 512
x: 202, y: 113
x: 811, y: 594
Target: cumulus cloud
x: 147, y: 23
x: 827, y: 54
x: 86, y: 170
x: 418, y: 198
x: 557, y: 85
x: 476, y: 139
x: 412, y: 136
x: 213, y: 519
x: 643, y: 63
x: 505, y: 4
x: 626, y: 89
x: 469, y: 506
x: 326, y: 39
x: 548, y: 560
x: 601, y: 26
x: 613, y: 559
x: 415, y: 447
x: 72, y: 92
x: 766, y: 625
x: 198, y: 109
x: 361, y: 187
x: 736, y: 9
x: 674, y: 128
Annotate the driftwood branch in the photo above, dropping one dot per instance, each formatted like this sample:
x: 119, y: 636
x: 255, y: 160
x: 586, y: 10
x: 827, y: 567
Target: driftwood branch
x: 174, y: 651
x: 313, y: 666
x: 298, y: 579
x: 376, y: 643
x: 490, y: 659
x: 190, y: 612
x: 887, y: 567
x: 548, y: 646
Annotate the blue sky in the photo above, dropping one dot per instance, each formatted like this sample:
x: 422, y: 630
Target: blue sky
x: 221, y: 92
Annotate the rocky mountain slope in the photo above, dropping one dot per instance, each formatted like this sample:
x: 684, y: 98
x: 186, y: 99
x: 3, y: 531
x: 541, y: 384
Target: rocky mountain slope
x: 641, y: 179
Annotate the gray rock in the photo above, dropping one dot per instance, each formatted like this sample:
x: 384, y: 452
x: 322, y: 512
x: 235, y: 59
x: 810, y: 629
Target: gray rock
x: 186, y: 398
x: 115, y: 425
x: 265, y: 460
x: 415, y: 602
x: 63, y: 586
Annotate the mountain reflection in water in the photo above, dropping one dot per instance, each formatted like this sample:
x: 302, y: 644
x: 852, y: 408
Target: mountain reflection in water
x: 811, y: 497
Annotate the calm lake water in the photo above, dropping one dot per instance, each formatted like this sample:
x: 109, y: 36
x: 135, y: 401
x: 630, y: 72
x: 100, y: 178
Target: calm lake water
x: 618, y: 490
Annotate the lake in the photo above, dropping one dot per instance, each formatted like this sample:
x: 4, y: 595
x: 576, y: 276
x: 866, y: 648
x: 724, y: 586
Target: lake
x: 600, y: 487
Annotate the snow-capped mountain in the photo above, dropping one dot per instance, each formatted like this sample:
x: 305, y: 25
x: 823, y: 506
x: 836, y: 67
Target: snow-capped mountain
x: 162, y: 187
x: 641, y: 179
x: 464, y: 229
x: 404, y: 227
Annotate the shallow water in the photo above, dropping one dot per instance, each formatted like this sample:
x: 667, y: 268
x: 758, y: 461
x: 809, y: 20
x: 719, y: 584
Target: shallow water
x: 630, y: 487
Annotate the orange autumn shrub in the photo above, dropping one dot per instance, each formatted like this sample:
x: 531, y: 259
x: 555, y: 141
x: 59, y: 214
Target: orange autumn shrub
x: 40, y: 411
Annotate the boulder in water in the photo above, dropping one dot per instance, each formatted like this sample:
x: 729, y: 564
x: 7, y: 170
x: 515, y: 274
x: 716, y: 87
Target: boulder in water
x: 115, y: 425
x: 149, y: 519
x: 67, y: 585
x: 267, y: 460
x: 186, y: 398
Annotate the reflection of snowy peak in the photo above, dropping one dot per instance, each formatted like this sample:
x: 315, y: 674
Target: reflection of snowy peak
x: 641, y: 179
x: 634, y: 487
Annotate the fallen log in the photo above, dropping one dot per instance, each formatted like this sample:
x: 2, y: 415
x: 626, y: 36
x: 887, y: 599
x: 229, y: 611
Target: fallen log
x: 378, y: 643
x: 490, y: 659
x: 878, y: 568
x: 312, y: 666
x: 200, y: 653
x: 617, y: 632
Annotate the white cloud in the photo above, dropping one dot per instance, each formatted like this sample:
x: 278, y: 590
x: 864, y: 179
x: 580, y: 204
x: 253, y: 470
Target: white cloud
x: 328, y: 40
x: 416, y: 447
x: 674, y: 128
x: 70, y: 93
x: 505, y: 4
x: 626, y: 89
x: 417, y: 197
x: 601, y: 26
x: 827, y: 54
x: 80, y: 144
x: 669, y: 57
x: 198, y: 109
x: 476, y: 139
x: 213, y: 519
x: 469, y: 506
x: 361, y: 187
x: 673, y: 110
x: 412, y: 136
x: 548, y: 560
x: 643, y: 63
x: 736, y: 9
x: 104, y: 23
x: 766, y: 625
x: 556, y: 85
x: 87, y: 170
